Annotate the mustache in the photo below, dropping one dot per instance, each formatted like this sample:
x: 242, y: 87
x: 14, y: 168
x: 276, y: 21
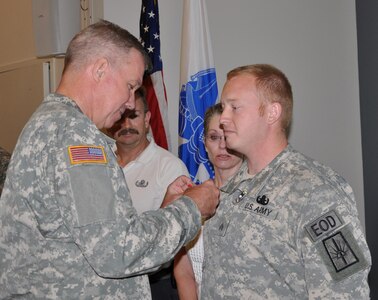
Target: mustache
x: 127, y: 131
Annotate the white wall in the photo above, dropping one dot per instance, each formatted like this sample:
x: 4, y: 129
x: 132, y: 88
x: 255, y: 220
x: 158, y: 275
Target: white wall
x: 313, y: 42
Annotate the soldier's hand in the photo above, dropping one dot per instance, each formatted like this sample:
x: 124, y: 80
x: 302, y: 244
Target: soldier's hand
x: 176, y: 189
x: 206, y: 196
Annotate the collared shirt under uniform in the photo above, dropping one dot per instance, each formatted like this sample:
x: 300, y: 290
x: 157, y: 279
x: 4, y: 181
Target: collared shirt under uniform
x: 68, y: 226
x: 289, y: 232
x: 149, y: 175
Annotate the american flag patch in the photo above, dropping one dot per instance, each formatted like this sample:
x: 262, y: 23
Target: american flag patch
x: 87, y: 154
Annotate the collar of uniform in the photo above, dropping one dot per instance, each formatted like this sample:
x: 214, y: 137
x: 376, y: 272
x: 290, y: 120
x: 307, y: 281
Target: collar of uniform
x: 59, y: 98
x: 55, y: 97
x: 241, y: 177
x: 111, y: 142
x: 238, y: 178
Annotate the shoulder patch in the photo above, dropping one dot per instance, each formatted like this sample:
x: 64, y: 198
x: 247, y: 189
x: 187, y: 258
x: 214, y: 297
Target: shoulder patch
x: 341, y: 254
x: 324, y: 225
x: 87, y: 154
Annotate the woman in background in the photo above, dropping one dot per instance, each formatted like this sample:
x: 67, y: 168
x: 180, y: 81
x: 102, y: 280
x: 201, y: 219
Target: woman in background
x: 188, y: 262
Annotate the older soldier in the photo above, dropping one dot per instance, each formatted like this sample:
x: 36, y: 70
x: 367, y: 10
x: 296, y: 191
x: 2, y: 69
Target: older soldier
x: 68, y: 227
x: 4, y: 161
x: 287, y: 226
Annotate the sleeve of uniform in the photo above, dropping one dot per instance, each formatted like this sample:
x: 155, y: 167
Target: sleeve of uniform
x: 78, y: 196
x: 334, y: 250
x: 138, y: 244
x: 114, y: 239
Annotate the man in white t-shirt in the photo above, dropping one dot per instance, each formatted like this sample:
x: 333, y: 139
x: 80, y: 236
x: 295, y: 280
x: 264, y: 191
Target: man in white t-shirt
x: 148, y: 169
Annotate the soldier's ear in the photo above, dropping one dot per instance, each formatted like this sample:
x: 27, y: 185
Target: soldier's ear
x: 274, y: 112
x: 100, y: 68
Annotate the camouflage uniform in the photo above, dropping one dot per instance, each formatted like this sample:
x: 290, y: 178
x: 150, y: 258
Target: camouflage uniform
x: 67, y: 221
x: 4, y: 161
x: 289, y: 232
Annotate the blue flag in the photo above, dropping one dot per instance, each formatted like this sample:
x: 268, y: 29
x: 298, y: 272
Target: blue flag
x: 199, y: 89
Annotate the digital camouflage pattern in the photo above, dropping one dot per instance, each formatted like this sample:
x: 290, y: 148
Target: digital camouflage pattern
x: 289, y: 232
x: 4, y: 161
x: 68, y: 227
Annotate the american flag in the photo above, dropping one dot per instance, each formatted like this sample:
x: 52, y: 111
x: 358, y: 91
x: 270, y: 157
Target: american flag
x: 86, y: 154
x: 154, y: 83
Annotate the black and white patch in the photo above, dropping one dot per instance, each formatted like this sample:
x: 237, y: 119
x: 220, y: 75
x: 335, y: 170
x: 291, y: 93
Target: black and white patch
x: 341, y: 254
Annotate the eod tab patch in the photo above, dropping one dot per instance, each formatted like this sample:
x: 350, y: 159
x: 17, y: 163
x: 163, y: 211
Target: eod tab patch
x: 323, y: 225
x: 87, y: 154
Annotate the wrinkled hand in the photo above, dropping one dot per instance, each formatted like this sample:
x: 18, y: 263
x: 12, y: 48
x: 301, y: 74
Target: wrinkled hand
x: 176, y: 189
x: 206, y: 196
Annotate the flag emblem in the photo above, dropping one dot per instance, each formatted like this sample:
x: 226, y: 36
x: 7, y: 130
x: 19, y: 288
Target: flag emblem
x: 87, y: 154
x: 195, y: 97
